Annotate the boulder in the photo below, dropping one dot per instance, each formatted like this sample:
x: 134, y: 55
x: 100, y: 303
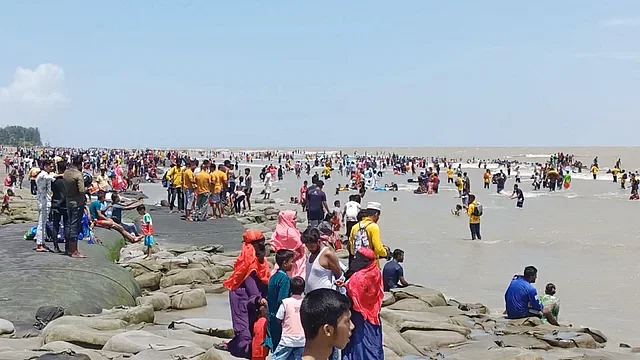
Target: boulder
x: 185, y: 277
x: 212, y: 327
x: 391, y: 339
x: 203, y: 341
x: 6, y: 327
x: 429, y: 296
x: 131, y: 315
x: 260, y: 227
x: 159, y: 301
x: 395, y: 318
x: 211, y: 354
x: 136, y: 341
x: 425, y: 341
x: 21, y: 343
x: 189, y: 299
x: 263, y: 201
x: 217, y: 271
x: 389, y: 354
x: 74, y: 353
x: 168, y: 353
x: 174, y: 289
x: 431, y: 326
x: 388, y: 299
x: 477, y: 308
x: 19, y: 354
x: 142, y: 266
x: 410, y: 305
x: 82, y: 335
x: 96, y: 323
x: 569, y: 339
x: 500, y: 354
x: 149, y: 281
x: 211, y: 288
x: 522, y: 341
x: 270, y: 210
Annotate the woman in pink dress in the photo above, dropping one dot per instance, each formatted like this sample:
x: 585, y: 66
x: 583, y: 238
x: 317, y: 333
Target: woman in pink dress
x: 286, y: 236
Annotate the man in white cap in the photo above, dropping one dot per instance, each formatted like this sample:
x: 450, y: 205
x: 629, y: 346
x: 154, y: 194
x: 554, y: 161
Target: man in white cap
x: 367, y: 233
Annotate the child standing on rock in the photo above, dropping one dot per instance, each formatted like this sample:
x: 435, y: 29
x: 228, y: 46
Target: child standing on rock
x: 147, y: 228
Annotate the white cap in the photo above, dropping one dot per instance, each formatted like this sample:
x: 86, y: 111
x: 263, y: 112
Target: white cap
x: 374, y: 206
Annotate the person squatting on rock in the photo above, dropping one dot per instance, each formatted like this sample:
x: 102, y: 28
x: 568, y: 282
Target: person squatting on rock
x: 521, y: 298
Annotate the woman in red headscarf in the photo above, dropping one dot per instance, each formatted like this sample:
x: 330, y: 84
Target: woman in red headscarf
x: 365, y: 288
x: 247, y: 291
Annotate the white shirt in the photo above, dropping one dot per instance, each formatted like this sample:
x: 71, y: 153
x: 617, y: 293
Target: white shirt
x: 43, y: 185
x: 267, y: 179
x: 351, y: 210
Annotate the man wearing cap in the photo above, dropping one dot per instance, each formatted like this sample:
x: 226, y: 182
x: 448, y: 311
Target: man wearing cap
x: 316, y: 204
x: 367, y: 233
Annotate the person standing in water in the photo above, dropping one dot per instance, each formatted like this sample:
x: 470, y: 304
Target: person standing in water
x: 517, y: 193
x: 474, y: 211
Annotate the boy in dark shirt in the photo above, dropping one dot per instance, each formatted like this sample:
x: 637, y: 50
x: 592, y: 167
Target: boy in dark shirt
x: 393, y: 273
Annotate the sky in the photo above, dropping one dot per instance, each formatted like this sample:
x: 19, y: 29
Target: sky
x: 322, y: 74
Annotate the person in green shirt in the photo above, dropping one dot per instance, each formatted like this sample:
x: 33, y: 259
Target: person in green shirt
x: 550, y: 301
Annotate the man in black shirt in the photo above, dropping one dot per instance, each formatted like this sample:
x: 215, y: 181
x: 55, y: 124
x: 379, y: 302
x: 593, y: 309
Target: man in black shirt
x: 316, y: 204
x: 59, y: 208
x: 517, y: 194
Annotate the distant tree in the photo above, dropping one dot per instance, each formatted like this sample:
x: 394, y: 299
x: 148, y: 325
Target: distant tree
x: 20, y: 136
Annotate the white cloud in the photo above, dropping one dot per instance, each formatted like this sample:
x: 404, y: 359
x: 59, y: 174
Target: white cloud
x: 42, y: 87
x: 622, y: 22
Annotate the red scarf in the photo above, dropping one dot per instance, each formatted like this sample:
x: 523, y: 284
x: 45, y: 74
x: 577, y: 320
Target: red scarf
x: 366, y: 290
x: 247, y: 262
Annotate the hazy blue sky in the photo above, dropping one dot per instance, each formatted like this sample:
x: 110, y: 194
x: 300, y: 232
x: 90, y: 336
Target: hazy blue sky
x: 322, y: 73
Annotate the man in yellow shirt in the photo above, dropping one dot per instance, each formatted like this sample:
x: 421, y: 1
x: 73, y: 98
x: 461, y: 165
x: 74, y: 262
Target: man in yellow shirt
x: 367, y: 233
x: 460, y: 184
x: 487, y: 178
x: 474, y: 217
x: 189, y: 185
x: 450, y: 175
x: 203, y: 190
x: 218, y: 182
x: 175, y: 187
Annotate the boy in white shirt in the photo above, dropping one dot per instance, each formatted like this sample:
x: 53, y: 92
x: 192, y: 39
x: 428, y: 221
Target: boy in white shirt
x: 292, y: 342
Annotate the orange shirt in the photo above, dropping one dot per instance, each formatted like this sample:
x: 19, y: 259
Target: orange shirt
x: 259, y: 352
x: 202, y: 182
x: 188, y: 180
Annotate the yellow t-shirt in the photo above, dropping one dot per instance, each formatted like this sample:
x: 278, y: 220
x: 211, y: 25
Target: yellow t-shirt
x: 188, y: 180
x: 460, y: 183
x: 487, y: 176
x: 450, y: 173
x: 615, y: 171
x: 175, y: 176
x: 218, y: 178
x: 472, y: 218
x: 202, y: 182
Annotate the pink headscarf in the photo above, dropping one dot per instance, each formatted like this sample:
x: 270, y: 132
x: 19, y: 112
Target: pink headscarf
x: 286, y: 236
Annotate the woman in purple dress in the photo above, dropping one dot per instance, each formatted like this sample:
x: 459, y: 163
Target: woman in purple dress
x: 247, y: 291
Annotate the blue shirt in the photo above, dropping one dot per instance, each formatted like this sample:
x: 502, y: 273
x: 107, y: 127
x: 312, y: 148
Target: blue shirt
x: 94, y: 207
x: 391, y: 274
x: 520, y: 298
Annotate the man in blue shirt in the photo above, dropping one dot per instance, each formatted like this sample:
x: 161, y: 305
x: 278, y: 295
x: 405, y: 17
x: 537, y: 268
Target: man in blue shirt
x: 393, y: 273
x: 521, y: 298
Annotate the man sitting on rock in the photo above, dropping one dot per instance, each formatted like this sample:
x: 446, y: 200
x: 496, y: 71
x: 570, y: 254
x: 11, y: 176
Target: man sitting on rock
x: 521, y: 298
x: 97, y: 209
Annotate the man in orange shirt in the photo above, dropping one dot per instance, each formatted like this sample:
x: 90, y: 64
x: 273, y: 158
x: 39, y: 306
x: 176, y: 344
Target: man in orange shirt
x: 218, y: 182
x: 203, y: 181
x: 189, y: 184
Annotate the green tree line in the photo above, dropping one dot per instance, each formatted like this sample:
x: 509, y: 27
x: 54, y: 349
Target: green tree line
x: 20, y: 136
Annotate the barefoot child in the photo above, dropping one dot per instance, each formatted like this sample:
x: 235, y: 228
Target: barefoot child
x: 259, y: 352
x: 147, y: 228
x: 456, y: 212
x: 5, y: 200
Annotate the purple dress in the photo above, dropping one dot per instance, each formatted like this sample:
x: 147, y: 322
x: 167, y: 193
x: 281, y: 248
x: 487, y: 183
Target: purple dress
x: 244, y: 302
